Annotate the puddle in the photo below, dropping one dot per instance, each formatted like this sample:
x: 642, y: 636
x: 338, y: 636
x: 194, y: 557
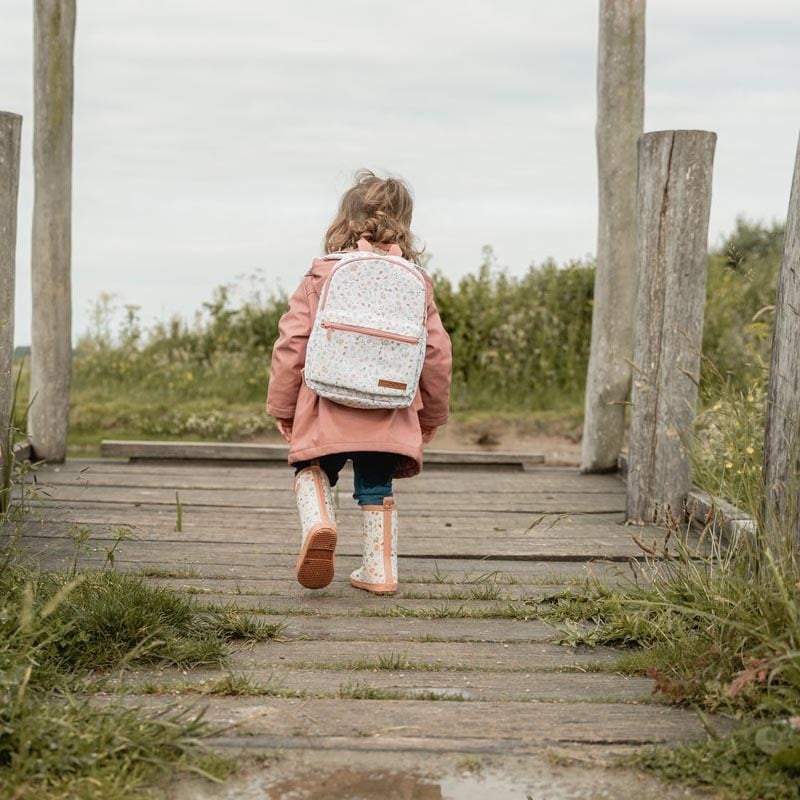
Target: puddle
x: 357, y: 784
x: 342, y: 775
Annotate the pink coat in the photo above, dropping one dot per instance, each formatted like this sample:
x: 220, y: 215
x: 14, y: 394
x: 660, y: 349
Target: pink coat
x: 321, y: 426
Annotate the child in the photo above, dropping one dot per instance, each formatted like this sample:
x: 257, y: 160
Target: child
x: 383, y: 443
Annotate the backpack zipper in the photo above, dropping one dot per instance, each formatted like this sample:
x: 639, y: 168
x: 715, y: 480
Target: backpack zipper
x: 379, y: 334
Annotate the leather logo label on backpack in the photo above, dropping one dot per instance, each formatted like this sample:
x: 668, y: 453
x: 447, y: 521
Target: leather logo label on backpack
x: 387, y: 384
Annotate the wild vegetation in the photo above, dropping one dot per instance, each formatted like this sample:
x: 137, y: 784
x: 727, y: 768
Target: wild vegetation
x: 717, y: 627
x: 521, y: 347
x: 61, y: 636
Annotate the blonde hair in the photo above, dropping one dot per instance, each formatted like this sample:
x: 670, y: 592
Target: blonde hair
x: 376, y: 209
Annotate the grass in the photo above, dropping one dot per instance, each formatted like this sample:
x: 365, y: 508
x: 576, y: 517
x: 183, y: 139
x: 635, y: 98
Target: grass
x: 363, y: 691
x: 718, y: 632
x: 59, y: 635
x: 56, y: 633
x: 520, y: 611
x: 231, y: 685
x: 759, y: 761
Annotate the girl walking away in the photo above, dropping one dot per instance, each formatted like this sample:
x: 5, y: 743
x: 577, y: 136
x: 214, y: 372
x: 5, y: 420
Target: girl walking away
x: 360, y: 372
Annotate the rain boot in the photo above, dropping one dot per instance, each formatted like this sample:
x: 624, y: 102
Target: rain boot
x: 378, y: 570
x: 318, y: 527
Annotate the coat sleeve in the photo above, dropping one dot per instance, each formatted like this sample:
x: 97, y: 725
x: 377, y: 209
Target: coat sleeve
x: 434, y: 381
x: 289, y: 355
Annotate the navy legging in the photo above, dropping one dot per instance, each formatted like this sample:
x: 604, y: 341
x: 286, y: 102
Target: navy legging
x: 373, y: 473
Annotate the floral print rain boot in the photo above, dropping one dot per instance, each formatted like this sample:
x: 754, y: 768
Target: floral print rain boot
x: 317, y: 521
x: 378, y: 571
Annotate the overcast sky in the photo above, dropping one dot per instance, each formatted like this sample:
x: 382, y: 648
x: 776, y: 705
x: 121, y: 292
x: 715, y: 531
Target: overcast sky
x: 213, y: 139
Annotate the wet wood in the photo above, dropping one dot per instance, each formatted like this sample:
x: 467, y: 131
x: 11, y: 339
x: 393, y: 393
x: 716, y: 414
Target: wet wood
x: 674, y: 201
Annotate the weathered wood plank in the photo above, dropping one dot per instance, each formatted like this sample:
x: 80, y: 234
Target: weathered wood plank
x: 674, y: 201
x: 51, y: 334
x: 513, y: 725
x: 556, y: 502
x: 204, y: 551
x: 10, y: 132
x: 363, y: 656
x: 410, y: 588
x: 620, y: 118
x: 782, y: 434
x: 356, y: 604
x: 497, y: 686
x: 227, y: 451
x: 281, y: 528
x: 258, y: 521
x: 57, y: 554
x: 473, y: 483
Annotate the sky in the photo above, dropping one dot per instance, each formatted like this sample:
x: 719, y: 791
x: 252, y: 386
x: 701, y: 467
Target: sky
x: 212, y: 140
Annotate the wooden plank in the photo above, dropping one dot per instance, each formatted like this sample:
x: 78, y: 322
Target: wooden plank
x: 513, y: 725
x: 453, y: 656
x: 358, y: 605
x: 282, y: 528
x: 57, y: 554
x: 232, y: 451
x: 204, y: 551
x: 438, y: 484
x: 782, y: 433
x: 411, y: 587
x: 487, y: 685
x: 261, y: 521
x: 674, y: 201
x: 51, y: 245
x: 724, y: 519
x: 620, y: 119
x: 534, y: 503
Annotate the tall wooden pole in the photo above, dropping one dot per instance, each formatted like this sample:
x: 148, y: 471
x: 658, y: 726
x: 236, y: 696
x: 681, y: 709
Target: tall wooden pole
x: 51, y: 334
x: 10, y: 129
x: 673, y: 207
x: 620, y: 120
x: 782, y: 435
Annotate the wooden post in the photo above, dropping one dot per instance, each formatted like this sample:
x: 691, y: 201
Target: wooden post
x: 673, y: 205
x: 620, y: 118
x: 10, y: 129
x: 782, y: 435
x: 51, y: 334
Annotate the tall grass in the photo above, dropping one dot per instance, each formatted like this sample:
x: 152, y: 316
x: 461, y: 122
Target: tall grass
x: 717, y: 627
x: 520, y: 343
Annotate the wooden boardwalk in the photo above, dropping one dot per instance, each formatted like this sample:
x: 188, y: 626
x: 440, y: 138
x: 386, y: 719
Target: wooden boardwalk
x: 475, y: 544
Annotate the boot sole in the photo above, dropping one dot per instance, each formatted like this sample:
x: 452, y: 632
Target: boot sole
x: 374, y: 588
x: 315, y: 563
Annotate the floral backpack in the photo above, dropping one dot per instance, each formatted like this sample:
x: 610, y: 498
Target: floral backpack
x: 367, y: 345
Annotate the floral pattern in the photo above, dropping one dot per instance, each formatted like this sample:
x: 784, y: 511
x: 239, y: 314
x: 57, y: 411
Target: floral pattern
x: 372, y: 568
x: 309, y: 484
x: 387, y: 296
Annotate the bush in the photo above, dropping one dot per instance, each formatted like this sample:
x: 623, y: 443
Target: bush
x: 520, y: 344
